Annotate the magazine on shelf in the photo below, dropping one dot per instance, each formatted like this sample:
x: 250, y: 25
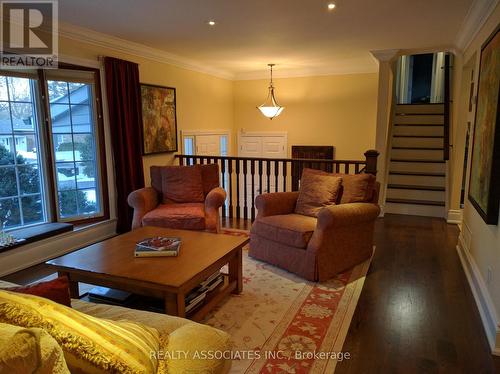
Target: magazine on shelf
x: 158, y: 247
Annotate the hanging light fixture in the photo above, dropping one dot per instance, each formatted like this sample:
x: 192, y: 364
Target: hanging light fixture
x: 271, y: 108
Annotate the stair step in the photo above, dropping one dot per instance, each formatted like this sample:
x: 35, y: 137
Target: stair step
x: 420, y: 148
x: 415, y: 202
x: 418, y: 173
x: 420, y: 108
x: 417, y: 160
x: 415, y: 187
x: 434, y: 119
x: 419, y: 124
x: 420, y: 136
x: 432, y: 130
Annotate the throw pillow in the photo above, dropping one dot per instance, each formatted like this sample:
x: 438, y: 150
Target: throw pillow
x: 56, y: 290
x: 90, y: 344
x: 210, y: 177
x: 316, y: 191
x: 357, y: 188
x: 29, y: 350
x: 182, y: 184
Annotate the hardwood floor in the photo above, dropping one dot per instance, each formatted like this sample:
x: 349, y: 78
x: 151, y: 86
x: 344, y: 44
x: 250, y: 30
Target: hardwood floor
x: 416, y: 313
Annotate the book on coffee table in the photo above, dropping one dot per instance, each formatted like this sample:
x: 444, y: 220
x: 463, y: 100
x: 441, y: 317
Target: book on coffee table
x: 158, y: 247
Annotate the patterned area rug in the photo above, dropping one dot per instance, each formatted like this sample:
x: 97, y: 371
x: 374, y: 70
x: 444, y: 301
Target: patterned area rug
x: 284, y: 324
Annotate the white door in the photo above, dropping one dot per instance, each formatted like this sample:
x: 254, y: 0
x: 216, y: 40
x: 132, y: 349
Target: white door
x: 208, y: 145
x: 261, y: 146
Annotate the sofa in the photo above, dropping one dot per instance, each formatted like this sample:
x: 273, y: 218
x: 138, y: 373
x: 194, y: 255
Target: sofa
x: 317, y: 247
x: 183, y: 335
x: 180, y: 197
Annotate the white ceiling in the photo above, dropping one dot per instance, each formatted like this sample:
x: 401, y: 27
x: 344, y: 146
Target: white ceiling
x: 300, y: 36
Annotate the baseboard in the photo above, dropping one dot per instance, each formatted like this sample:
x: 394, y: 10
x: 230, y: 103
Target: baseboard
x: 482, y: 297
x: 454, y: 216
x: 35, y: 253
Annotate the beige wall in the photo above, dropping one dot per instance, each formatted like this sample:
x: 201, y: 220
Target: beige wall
x: 483, y: 241
x: 338, y: 110
x: 204, y: 102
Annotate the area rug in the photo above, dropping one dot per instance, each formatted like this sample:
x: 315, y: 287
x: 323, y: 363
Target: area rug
x: 281, y: 323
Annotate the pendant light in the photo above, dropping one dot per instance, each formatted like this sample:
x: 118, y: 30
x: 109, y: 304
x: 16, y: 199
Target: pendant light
x: 271, y: 108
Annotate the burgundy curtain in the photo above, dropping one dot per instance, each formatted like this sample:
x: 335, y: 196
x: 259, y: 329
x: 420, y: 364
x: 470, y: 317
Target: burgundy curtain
x: 125, y: 116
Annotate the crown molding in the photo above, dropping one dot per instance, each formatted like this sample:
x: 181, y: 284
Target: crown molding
x: 114, y: 43
x: 384, y: 55
x: 305, y: 72
x: 477, y: 15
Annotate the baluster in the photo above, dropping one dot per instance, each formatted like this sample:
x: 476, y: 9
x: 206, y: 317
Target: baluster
x: 268, y: 175
x: 276, y: 173
x: 252, y: 166
x: 346, y: 168
x: 223, y: 172
x: 260, y: 177
x: 230, y: 171
x: 245, y: 203
x: 238, y: 188
x: 356, y: 168
x: 284, y: 175
x: 181, y: 160
x: 337, y: 167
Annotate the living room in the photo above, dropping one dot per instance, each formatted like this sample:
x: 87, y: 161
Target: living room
x: 316, y: 183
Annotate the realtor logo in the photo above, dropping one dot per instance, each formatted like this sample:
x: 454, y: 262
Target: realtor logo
x: 29, y: 34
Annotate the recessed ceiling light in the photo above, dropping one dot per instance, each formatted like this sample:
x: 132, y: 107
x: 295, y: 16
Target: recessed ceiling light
x: 331, y: 6
x: 211, y: 23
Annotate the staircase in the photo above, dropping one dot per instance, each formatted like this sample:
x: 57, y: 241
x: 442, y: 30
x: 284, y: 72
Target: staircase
x: 416, y: 183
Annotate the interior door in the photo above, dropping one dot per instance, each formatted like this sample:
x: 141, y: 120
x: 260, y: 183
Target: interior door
x: 261, y: 147
x: 207, y: 145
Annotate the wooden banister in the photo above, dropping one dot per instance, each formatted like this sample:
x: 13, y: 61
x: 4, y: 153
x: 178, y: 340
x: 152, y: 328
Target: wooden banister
x: 271, y: 174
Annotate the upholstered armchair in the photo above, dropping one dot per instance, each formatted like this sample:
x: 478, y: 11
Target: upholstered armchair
x: 315, y: 248
x: 180, y: 197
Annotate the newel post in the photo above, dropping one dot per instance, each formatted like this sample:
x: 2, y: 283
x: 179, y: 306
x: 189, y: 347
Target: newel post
x: 371, y: 161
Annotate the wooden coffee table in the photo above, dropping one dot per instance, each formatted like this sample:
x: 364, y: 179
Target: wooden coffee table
x: 111, y: 263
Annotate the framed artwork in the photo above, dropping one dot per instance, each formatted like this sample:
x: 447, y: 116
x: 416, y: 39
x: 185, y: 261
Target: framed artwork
x: 159, y: 119
x: 484, y: 185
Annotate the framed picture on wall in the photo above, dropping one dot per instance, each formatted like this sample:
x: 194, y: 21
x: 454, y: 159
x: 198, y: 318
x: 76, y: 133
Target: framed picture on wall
x: 484, y: 185
x: 159, y: 119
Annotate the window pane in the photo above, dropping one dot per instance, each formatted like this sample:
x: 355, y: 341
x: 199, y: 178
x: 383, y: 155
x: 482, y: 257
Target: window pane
x: 32, y: 209
x: 6, y: 150
x: 22, y: 117
x: 85, y: 177
x: 84, y: 147
x: 87, y: 201
x: 8, y: 187
x: 78, y: 93
x: 63, y: 147
x: 67, y: 204
x: 60, y: 115
x: 5, y: 124
x: 26, y: 149
x: 58, y: 92
x: 19, y: 89
x: 29, y: 179
x: 9, y: 212
x: 3, y: 89
x: 81, y: 118
x: 66, y: 176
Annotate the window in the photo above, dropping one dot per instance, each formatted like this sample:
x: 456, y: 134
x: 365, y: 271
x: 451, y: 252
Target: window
x: 21, y: 183
x: 64, y: 179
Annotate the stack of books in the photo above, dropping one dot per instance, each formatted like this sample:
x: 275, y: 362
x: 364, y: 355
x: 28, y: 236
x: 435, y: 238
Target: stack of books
x: 196, y: 297
x: 158, y: 247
